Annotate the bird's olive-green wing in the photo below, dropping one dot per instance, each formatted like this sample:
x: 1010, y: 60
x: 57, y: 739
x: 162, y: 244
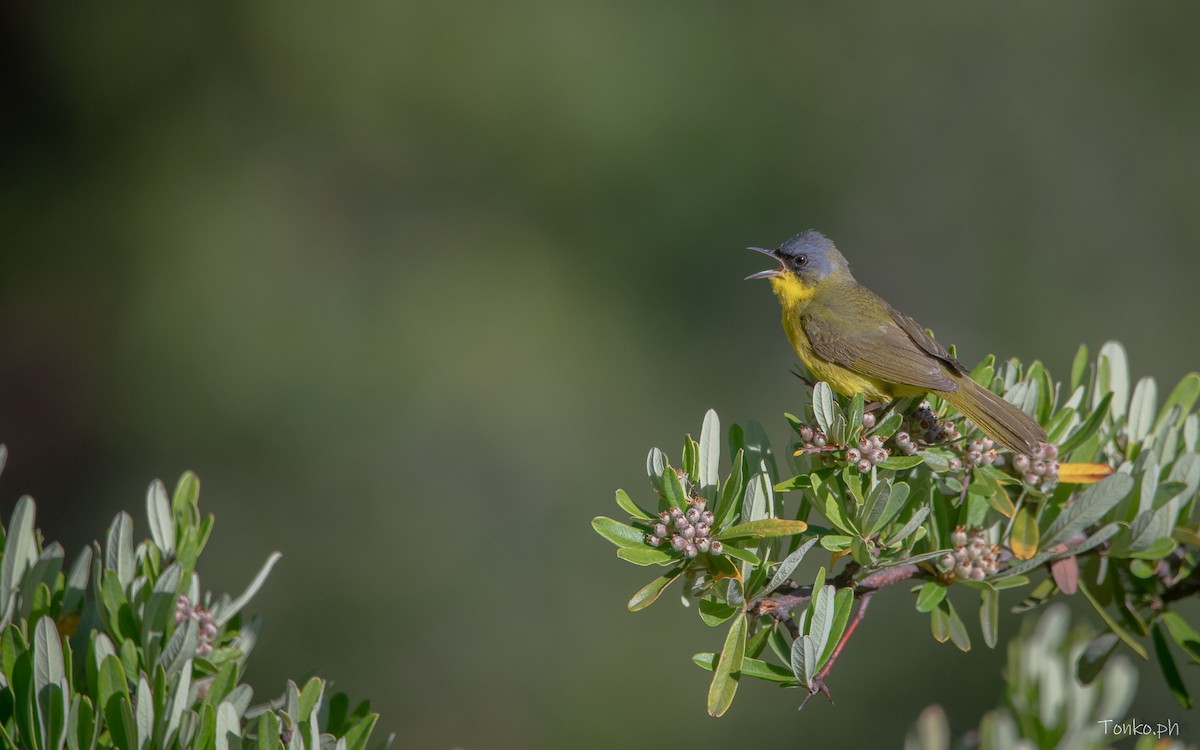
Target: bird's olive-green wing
x: 924, y: 340
x: 861, y: 334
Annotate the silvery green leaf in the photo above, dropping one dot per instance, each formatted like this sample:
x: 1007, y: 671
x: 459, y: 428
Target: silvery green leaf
x: 758, y: 451
x: 1113, y: 375
x: 1142, y: 410
x: 77, y: 581
x: 44, y: 570
x: 824, y: 407
x: 821, y: 621
x: 656, y: 464
x: 227, y: 612
x: 804, y: 660
x: 759, y: 499
x: 179, y: 650
x: 179, y: 699
x: 228, y: 726
x: 118, y: 549
x: 710, y: 454
x: 787, y: 566
x: 20, y: 554
x: 1087, y: 508
x: 162, y: 523
x: 883, y: 506
x: 144, y: 712
x: 910, y: 526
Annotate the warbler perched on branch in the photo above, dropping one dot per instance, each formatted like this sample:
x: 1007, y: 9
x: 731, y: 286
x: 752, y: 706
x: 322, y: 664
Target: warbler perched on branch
x: 856, y: 342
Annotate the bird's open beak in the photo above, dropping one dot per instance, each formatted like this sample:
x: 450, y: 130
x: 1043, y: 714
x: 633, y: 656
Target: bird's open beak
x: 768, y: 273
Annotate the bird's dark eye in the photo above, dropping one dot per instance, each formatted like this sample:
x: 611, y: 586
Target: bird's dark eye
x: 800, y: 260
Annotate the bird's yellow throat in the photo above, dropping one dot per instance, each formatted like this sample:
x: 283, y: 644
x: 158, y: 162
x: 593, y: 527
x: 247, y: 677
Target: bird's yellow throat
x: 791, y: 290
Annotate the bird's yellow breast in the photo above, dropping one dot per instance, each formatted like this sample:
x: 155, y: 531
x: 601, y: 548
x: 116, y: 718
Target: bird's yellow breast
x: 794, y: 295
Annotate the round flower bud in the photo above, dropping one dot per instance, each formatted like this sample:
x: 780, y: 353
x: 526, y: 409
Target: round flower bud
x: 806, y: 434
x: 652, y: 540
x: 1050, y: 451
x: 1031, y: 478
x: 958, y: 537
x: 878, y: 456
x: 702, y: 530
x: 1021, y: 462
x: 1039, y: 468
x: 947, y: 562
x: 977, y: 574
x: 678, y: 542
x: 703, y: 544
x: 956, y: 463
x: 675, y: 512
x: 707, y: 517
x: 688, y: 532
x: 962, y: 571
x: 716, y: 547
x: 864, y: 465
x: 660, y: 530
x: 868, y: 421
x: 820, y: 441
x: 692, y: 515
x: 681, y: 523
x: 853, y: 455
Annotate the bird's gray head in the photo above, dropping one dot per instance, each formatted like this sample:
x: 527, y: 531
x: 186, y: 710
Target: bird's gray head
x: 810, y: 255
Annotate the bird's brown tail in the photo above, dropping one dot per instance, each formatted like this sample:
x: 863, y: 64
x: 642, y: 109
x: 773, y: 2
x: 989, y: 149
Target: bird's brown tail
x: 1000, y: 420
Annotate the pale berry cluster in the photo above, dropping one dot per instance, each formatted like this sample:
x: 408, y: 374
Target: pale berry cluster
x: 981, y: 452
x: 973, y: 558
x: 869, y: 453
x: 185, y: 610
x: 812, y: 438
x: 1040, y: 468
x: 688, y: 531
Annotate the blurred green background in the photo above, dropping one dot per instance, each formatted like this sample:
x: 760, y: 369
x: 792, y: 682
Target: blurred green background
x: 413, y: 286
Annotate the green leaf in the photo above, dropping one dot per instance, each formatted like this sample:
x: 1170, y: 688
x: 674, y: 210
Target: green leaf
x: 1089, y: 427
x: 910, y: 526
x: 626, y: 503
x: 744, y: 555
x: 1141, y: 410
x: 222, y: 615
x: 1113, y: 375
x: 656, y: 464
x: 1184, y: 396
x: 1182, y: 633
x: 930, y: 596
x: 843, y: 602
x: 710, y: 454
x: 820, y: 620
x: 731, y: 495
x: 20, y: 551
x: 804, y: 660
x: 787, y: 566
x: 268, y: 731
x: 1088, y: 508
x: 900, y: 463
x: 114, y: 698
x: 357, y: 736
x: 1095, y: 656
x: 989, y: 615
x: 672, y: 488
x: 162, y: 521
x: 763, y: 670
x: 958, y: 631
x: 1112, y: 624
x: 651, y: 591
x: 889, y: 425
x: 118, y: 549
x: 725, y: 677
x: 764, y: 528
x: 620, y: 534
x: 1079, y: 366
x: 855, y: 420
x: 884, y: 502
x: 644, y: 555
x: 1169, y: 669
x: 824, y: 407
x: 759, y: 500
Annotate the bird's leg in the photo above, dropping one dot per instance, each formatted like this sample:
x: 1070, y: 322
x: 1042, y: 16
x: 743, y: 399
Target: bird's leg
x: 804, y: 378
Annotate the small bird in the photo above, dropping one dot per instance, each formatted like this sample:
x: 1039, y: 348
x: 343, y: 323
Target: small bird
x: 857, y: 343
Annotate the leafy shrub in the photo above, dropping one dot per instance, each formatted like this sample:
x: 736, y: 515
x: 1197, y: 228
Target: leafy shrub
x: 123, y: 650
